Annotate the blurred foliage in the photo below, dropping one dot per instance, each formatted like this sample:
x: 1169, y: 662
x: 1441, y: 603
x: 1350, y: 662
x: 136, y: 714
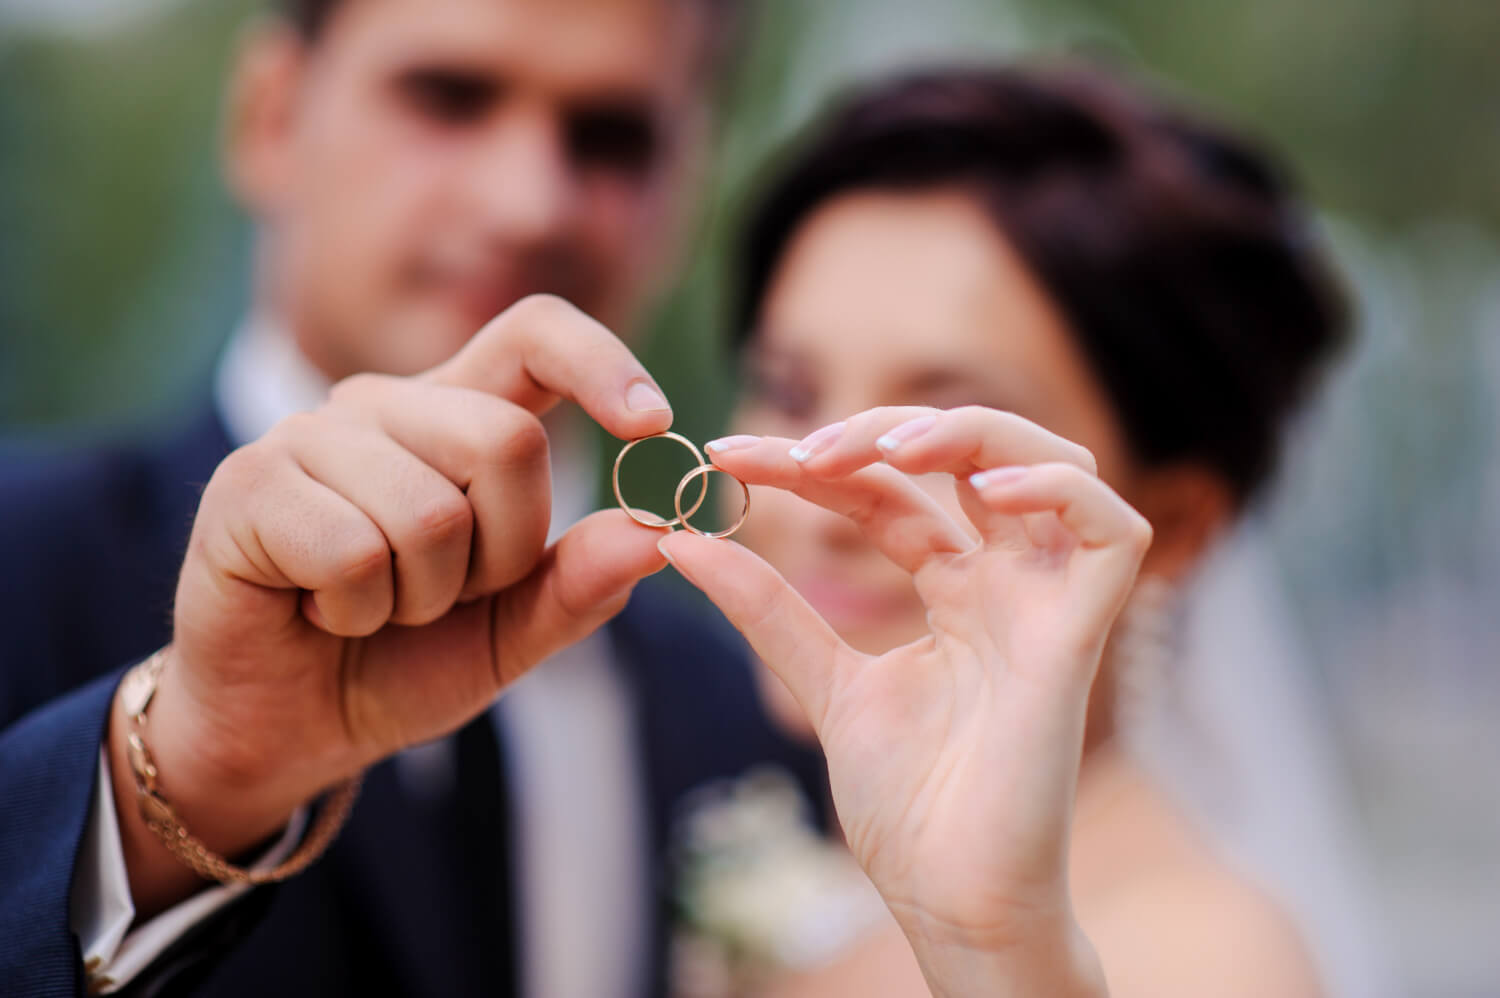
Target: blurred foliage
x: 1390, y: 108
x: 121, y: 260
x: 122, y: 264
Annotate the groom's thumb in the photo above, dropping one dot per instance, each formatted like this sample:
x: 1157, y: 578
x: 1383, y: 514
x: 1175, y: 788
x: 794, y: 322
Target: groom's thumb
x: 582, y: 581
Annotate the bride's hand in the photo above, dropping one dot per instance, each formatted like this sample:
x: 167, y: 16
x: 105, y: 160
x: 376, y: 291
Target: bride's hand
x: 953, y: 759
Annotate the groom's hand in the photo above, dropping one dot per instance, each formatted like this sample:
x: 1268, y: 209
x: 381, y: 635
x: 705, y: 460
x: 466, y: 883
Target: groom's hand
x: 371, y: 574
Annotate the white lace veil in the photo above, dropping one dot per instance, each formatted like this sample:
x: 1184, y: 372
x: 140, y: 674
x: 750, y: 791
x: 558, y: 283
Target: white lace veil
x: 1237, y: 735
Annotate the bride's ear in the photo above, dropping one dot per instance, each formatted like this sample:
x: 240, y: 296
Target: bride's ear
x: 1188, y: 505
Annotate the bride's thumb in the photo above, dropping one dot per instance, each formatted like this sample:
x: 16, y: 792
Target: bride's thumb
x: 788, y: 634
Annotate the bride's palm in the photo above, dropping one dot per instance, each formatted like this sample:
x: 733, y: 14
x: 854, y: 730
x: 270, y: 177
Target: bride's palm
x: 953, y: 759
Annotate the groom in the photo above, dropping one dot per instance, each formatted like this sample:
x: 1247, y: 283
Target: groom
x: 413, y: 167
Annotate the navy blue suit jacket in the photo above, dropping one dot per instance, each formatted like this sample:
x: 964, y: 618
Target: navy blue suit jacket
x: 414, y: 898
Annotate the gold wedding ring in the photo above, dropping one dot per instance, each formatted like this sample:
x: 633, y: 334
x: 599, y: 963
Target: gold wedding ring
x: 704, y: 469
x: 658, y: 522
x: 683, y: 515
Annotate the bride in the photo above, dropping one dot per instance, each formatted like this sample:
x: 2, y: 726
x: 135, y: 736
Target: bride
x: 996, y: 269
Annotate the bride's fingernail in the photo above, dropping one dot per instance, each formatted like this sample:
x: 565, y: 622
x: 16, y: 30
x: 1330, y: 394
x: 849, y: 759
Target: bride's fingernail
x: 909, y: 430
x: 737, y: 442
x: 996, y: 476
x: 817, y: 442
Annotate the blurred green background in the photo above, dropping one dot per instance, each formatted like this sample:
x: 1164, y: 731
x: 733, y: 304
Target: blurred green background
x: 123, y: 268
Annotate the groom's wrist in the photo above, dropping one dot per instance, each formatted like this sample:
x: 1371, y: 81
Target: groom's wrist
x: 227, y: 816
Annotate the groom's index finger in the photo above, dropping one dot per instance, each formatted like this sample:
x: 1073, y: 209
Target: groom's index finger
x: 542, y: 349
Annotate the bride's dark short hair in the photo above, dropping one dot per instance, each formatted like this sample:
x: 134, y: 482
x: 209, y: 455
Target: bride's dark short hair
x: 1184, y: 264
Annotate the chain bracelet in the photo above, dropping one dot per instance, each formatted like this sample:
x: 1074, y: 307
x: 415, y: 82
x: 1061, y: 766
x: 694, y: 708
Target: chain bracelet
x: 136, y: 692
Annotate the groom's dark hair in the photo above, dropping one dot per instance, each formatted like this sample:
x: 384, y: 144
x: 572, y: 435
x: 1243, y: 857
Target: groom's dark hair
x: 310, y: 17
x: 1186, y: 268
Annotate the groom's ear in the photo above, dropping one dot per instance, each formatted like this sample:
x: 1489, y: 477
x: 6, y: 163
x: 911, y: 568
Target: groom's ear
x: 259, y: 114
x: 1188, y: 506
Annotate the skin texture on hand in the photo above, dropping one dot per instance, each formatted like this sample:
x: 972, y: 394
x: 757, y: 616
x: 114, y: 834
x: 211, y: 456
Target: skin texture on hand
x: 953, y: 759
x: 372, y: 574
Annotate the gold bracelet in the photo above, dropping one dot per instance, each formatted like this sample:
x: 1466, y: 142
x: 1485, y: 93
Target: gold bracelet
x: 136, y: 692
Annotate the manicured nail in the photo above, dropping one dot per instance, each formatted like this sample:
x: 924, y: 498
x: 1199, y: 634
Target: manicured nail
x: 737, y: 442
x: 817, y: 442
x: 909, y: 430
x: 643, y: 396
x: 661, y: 546
x: 996, y: 476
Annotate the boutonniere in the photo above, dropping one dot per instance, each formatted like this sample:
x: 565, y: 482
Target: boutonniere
x: 760, y: 891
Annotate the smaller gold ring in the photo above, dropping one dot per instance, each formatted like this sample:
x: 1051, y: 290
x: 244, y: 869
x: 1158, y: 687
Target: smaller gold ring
x: 704, y: 469
x: 620, y: 497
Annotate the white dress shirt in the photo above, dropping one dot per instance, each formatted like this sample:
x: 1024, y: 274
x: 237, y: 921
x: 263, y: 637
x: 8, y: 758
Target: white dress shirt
x: 580, y: 852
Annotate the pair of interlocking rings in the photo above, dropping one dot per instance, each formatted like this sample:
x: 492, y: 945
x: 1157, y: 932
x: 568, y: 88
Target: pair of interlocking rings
x: 682, y: 515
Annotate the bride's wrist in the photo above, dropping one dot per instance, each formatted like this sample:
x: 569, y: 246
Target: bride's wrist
x: 1058, y: 961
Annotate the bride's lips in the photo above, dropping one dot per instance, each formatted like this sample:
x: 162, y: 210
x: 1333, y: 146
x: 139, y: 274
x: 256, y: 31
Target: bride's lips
x: 845, y: 604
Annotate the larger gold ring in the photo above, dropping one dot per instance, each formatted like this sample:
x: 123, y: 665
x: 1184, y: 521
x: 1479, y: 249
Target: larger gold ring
x: 659, y: 522
x: 704, y: 469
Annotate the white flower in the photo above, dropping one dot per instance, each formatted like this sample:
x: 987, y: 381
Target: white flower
x: 761, y: 885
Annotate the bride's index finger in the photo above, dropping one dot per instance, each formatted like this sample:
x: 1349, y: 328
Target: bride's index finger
x: 920, y: 440
x: 903, y: 522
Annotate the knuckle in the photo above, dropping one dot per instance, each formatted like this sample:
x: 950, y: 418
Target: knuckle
x: 887, y: 417
x: 513, y: 436
x: 360, y: 558
x: 239, y: 466
x: 358, y: 621
x: 1063, y: 474
x: 763, y: 607
x: 505, y: 559
x: 906, y: 413
x: 424, y: 610
x: 358, y: 387
x: 1002, y: 423
x: 299, y: 426
x: 572, y: 596
x: 513, y: 642
x: 441, y: 518
x: 541, y: 308
x: 1141, y: 532
x: 244, y: 472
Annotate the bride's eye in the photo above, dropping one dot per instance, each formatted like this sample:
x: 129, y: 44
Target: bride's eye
x: 786, y: 395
